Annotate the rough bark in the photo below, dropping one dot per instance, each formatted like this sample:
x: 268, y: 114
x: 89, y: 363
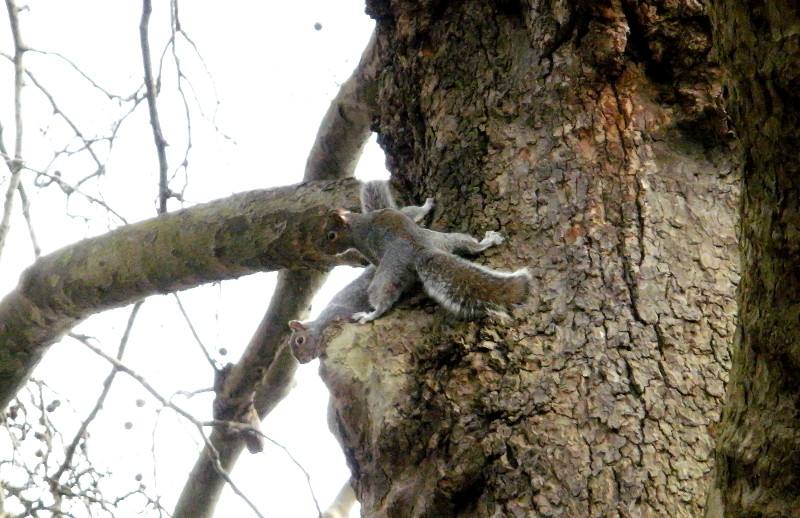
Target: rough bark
x: 267, y: 366
x: 243, y: 234
x: 591, y: 135
x: 759, y: 443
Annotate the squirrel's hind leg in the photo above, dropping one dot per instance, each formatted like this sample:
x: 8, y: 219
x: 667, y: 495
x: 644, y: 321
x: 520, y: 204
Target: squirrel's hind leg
x: 464, y: 243
x: 392, y: 278
x: 418, y: 213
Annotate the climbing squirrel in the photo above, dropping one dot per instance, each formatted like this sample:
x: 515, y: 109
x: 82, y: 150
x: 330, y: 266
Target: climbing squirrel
x: 306, y: 336
x: 404, y: 252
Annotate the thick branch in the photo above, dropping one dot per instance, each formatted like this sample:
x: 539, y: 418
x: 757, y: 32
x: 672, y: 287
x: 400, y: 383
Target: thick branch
x: 245, y: 233
x: 342, y: 134
x: 204, y: 485
x: 345, y: 128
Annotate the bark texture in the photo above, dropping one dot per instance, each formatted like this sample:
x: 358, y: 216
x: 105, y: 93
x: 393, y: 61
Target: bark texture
x: 591, y: 135
x: 242, y: 234
x: 759, y: 444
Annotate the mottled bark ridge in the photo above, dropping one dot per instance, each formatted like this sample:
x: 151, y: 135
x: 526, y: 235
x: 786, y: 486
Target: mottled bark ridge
x: 759, y: 439
x: 591, y: 135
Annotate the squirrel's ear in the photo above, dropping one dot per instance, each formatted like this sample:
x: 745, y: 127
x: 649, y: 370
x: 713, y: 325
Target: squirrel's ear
x: 342, y: 216
x: 296, y: 325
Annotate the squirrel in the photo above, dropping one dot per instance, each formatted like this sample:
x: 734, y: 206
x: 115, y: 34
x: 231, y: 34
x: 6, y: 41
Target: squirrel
x: 353, y: 298
x: 305, y: 338
x: 404, y: 252
x: 376, y: 195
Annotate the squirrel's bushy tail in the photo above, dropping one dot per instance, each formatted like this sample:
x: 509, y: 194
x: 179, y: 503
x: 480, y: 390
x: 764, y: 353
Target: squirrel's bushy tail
x: 375, y: 195
x: 468, y: 289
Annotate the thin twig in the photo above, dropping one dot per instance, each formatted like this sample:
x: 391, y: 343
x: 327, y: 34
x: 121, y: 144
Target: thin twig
x: 87, y: 143
x: 297, y: 463
x: 214, y: 453
x: 26, y: 213
x: 69, y: 190
x: 15, y: 164
x: 242, y: 427
x: 210, y: 78
x: 152, y: 94
x: 82, y: 74
x: 194, y: 332
x: 101, y: 399
x: 187, y: 112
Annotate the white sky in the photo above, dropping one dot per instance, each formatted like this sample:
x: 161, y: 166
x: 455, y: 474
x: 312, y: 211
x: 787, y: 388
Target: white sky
x: 274, y: 76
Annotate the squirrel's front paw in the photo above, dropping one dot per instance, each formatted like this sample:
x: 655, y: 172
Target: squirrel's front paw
x: 493, y: 238
x: 362, y: 317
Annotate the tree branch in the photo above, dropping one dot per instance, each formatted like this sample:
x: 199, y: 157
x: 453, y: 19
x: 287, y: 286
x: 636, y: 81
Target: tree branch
x: 80, y: 434
x: 345, y: 128
x: 341, y: 137
x: 151, y: 91
x: 15, y: 163
x: 121, y: 367
x: 205, y: 483
x: 242, y: 234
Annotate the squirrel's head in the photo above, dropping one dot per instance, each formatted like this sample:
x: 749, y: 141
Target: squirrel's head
x: 301, y: 342
x: 336, y: 238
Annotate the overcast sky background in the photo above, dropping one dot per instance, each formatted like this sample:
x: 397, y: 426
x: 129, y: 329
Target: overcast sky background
x: 274, y: 76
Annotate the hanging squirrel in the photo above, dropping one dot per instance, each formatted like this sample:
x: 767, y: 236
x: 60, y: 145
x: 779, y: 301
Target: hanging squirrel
x: 404, y: 252
x: 353, y: 298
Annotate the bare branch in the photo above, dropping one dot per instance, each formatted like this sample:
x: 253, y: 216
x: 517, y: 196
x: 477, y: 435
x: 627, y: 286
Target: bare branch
x: 242, y: 234
x: 68, y: 189
x: 119, y: 366
x: 87, y: 143
x: 194, y: 332
x: 26, y: 213
x: 15, y: 163
x: 152, y: 95
x: 83, y: 74
x: 35, y: 489
x: 341, y: 137
x: 204, y: 485
x: 80, y: 435
x: 241, y: 428
x: 345, y: 128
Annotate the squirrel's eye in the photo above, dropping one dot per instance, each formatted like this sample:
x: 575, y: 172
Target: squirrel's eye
x: 332, y: 235
x: 300, y: 340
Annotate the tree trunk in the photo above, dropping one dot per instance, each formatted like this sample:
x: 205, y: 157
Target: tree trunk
x: 759, y: 442
x: 590, y: 134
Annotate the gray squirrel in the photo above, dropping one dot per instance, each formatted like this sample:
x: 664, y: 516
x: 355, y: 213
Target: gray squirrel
x: 404, y: 252
x: 353, y: 298
x: 376, y: 195
x: 306, y: 336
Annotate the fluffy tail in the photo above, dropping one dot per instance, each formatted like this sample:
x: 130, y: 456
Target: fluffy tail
x: 468, y: 289
x: 376, y: 195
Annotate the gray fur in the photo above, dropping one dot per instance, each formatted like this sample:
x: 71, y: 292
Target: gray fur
x: 353, y: 300
x: 405, y: 252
